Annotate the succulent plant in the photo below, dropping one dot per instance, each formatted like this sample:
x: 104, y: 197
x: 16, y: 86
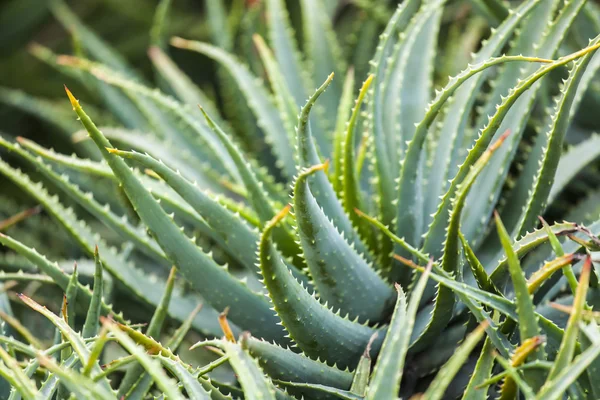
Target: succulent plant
x: 375, y: 241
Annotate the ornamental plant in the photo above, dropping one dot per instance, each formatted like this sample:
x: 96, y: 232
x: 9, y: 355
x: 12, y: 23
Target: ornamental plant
x: 308, y: 237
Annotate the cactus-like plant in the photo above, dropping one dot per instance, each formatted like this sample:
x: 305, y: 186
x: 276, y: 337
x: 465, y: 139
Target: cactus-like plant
x: 322, y: 248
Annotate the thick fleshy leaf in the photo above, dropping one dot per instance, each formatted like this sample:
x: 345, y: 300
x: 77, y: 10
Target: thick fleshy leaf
x: 342, y: 277
x: 248, y: 309
x: 317, y: 330
x: 385, y: 382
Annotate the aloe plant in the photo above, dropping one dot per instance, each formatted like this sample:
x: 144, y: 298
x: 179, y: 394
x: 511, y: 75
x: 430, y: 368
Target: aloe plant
x: 308, y: 236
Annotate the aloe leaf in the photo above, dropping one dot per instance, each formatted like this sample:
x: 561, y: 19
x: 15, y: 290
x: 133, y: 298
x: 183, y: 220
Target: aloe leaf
x: 552, y: 143
x: 286, y: 103
x: 159, y: 22
x: 439, y: 385
x: 136, y: 372
x: 573, y: 161
x: 86, y: 200
x: 217, y: 286
x: 238, y: 236
x: 481, y: 277
x: 406, y: 98
x: 444, y: 301
x: 592, y: 369
x: 555, y: 388
x: 281, y: 37
x: 567, y: 347
x: 319, y: 184
x: 343, y: 114
x: 186, y: 162
x: 71, y: 297
x: 528, y: 322
x: 52, y: 270
x: 342, y: 277
x: 135, y: 280
x: 20, y: 380
x: 486, y: 136
x: 190, y: 383
x: 317, y: 330
x: 151, y: 366
x: 174, y: 119
x: 385, y: 155
x: 159, y: 189
x: 481, y: 372
x: 78, y: 384
x: 493, y: 178
x: 181, y: 84
x: 528, y: 243
x: 255, y: 384
x: 322, y: 390
x: 284, y: 365
x: 362, y: 372
x: 385, y: 381
x: 75, y: 340
x: 351, y: 195
x: 90, y: 326
x: 259, y: 199
x: 259, y: 101
x: 323, y: 54
x: 452, y: 126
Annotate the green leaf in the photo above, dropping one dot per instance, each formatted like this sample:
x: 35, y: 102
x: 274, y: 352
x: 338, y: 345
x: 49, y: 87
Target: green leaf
x: 351, y: 195
x: 240, y: 238
x: 182, y: 86
x: 152, y: 367
x: 317, y: 330
x: 567, y: 347
x: 407, y: 96
x: 385, y: 158
x: 86, y: 200
x: 319, y: 184
x: 79, y: 385
x: 135, y: 280
x: 281, y: 37
x: 444, y: 301
x: 452, y: 125
x: 72, y: 337
x: 552, y: 143
x: 439, y: 385
x: 158, y: 25
x: 528, y: 321
x: 344, y: 112
x: 481, y: 277
x: 572, y: 162
x: 258, y: 99
x: 324, y: 56
x: 53, y: 271
x: 248, y: 309
x: 482, y: 371
x: 285, y: 365
x: 136, y: 372
x: 385, y: 382
x: 342, y: 277
x: 255, y: 384
x: 555, y: 388
x: 90, y: 326
x: 322, y: 390
x: 189, y: 381
x: 362, y: 372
